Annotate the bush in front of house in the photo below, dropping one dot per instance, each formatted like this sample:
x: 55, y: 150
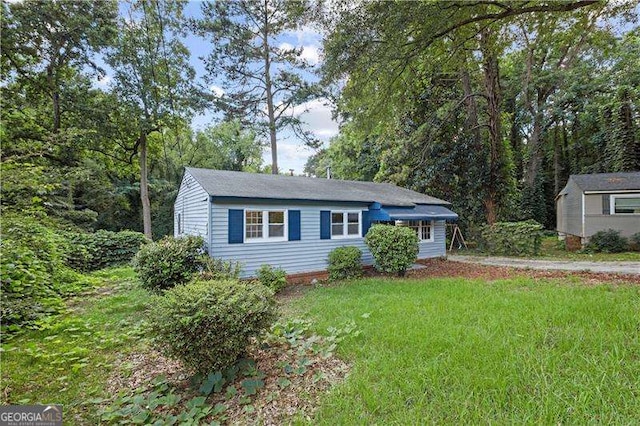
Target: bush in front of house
x: 91, y: 251
x: 609, y: 241
x: 394, y: 248
x: 169, y: 262
x: 345, y: 263
x: 219, y: 269
x: 208, y: 324
x: 512, y: 238
x: 273, y: 278
x: 634, y: 242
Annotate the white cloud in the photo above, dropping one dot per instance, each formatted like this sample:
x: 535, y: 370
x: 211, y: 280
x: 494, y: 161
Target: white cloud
x: 217, y: 90
x: 306, y: 35
x: 311, y: 54
x: 285, y: 46
x: 316, y: 114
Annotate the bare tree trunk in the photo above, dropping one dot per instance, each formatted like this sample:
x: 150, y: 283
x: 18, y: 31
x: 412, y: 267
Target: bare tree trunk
x: 55, y: 99
x: 496, y: 149
x: 269, y: 92
x: 144, y: 187
x: 471, y: 122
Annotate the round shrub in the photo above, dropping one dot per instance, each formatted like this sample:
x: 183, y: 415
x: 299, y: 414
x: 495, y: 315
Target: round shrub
x: 273, y: 278
x: 208, y: 324
x: 394, y: 248
x: 609, y: 241
x: 345, y: 263
x: 168, y: 262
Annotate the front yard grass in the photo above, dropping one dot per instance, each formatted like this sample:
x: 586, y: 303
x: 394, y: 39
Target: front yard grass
x: 460, y: 351
x: 70, y: 362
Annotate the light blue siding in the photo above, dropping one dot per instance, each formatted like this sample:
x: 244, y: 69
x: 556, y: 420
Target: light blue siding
x: 309, y: 254
x: 192, y: 206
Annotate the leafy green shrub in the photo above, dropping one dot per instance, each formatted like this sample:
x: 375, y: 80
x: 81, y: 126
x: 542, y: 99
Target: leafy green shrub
x: 32, y: 271
x: 609, y: 241
x: 273, y: 278
x: 208, y: 324
x: 218, y: 269
x: 634, y: 242
x: 512, y: 238
x: 101, y: 249
x: 345, y: 263
x: 169, y: 262
x: 394, y: 248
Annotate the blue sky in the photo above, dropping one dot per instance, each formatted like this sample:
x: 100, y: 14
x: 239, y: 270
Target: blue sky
x: 292, y: 154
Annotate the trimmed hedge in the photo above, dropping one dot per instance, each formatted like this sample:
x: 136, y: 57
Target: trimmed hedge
x: 89, y: 252
x: 169, y: 262
x: 609, y: 241
x: 208, y: 324
x: 512, y: 238
x: 273, y: 278
x: 345, y: 263
x: 394, y: 248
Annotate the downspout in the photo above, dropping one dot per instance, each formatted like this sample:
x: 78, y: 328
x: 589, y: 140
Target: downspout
x: 583, y: 214
x: 210, y: 227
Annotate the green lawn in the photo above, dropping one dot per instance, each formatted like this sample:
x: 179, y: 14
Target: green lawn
x: 431, y: 351
x: 459, y: 351
x: 70, y: 362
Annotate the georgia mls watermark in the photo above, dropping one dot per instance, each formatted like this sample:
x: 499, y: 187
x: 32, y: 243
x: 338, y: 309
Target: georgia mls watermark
x: 31, y: 415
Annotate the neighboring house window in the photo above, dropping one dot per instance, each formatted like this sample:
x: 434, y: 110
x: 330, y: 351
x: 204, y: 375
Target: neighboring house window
x: 423, y: 229
x: 265, y: 225
x: 179, y: 224
x: 345, y: 224
x: 625, y: 204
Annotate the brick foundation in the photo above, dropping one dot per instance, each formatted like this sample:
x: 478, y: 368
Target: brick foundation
x: 573, y: 242
x: 307, y: 277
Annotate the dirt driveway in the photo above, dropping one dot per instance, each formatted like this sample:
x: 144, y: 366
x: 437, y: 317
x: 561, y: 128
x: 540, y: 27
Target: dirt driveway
x: 632, y: 268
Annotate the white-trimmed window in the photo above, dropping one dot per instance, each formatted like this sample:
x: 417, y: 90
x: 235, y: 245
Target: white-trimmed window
x: 625, y: 204
x: 346, y: 223
x: 423, y: 229
x: 265, y: 225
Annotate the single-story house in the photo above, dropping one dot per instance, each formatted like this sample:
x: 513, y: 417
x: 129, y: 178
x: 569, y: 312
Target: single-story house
x: 596, y: 202
x: 294, y: 222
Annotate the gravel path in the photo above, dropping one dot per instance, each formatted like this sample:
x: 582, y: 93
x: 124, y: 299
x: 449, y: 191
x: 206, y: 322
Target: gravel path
x: 562, y: 265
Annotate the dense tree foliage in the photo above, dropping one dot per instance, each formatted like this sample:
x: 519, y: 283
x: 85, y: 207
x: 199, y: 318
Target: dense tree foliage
x: 489, y: 105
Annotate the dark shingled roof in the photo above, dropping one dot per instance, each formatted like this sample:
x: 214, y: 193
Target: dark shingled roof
x: 222, y: 183
x: 608, y: 181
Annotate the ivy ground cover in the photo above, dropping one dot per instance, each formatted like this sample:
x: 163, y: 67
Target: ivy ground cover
x: 461, y: 351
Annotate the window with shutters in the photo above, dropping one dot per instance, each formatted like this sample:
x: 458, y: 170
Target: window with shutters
x: 346, y: 223
x: 265, y: 225
x: 625, y: 204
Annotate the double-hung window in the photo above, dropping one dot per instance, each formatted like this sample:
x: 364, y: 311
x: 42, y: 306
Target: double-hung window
x: 423, y: 229
x: 345, y: 224
x: 265, y: 225
x: 625, y: 204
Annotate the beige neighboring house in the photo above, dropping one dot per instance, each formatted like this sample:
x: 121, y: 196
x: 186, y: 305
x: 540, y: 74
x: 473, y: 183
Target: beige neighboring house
x: 596, y: 202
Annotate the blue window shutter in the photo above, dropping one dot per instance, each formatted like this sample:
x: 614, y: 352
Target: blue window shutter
x: 236, y: 226
x: 325, y: 225
x: 366, y: 223
x: 294, y: 225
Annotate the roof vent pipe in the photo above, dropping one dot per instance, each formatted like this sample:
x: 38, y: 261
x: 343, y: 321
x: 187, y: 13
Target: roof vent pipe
x: 328, y: 172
